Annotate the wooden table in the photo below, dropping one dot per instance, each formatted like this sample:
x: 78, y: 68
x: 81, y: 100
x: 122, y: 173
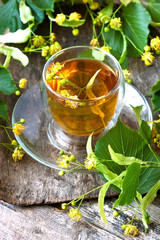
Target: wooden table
x: 31, y: 193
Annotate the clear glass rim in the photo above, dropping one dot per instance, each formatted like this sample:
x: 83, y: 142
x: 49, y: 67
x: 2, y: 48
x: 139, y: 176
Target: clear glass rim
x: 120, y: 74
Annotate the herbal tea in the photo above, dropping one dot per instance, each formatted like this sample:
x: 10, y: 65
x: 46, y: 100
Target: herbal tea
x: 78, y: 102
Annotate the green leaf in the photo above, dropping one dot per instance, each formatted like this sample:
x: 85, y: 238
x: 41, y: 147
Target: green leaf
x: 155, y: 87
x: 150, y: 196
x: 130, y: 143
x: 9, y: 16
x: 15, y: 53
x: 7, y: 85
x: 73, y: 23
x: 156, y: 101
x: 106, y: 12
x: 102, y: 194
x: 129, y: 185
x: 121, y: 159
x: 44, y: 4
x: 137, y: 110
x: 115, y: 40
x: 154, y: 9
x: 25, y: 12
x: 135, y: 21
x: 3, y: 111
x: 146, y: 132
x: 20, y: 36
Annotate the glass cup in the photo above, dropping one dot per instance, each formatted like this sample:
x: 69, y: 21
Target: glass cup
x: 82, y: 92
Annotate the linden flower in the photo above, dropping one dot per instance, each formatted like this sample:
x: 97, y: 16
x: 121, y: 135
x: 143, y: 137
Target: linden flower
x: 52, y: 37
x: 148, y: 58
x: 74, y: 214
x: 23, y: 83
x: 64, y: 161
x: 38, y: 41
x: 94, y: 42
x: 70, y: 103
x: 60, y: 18
x: 127, y: 75
x: 18, y: 154
x: 131, y: 230
x: 90, y: 162
x: 55, y: 47
x: 74, y: 16
x: 155, y: 43
x: 18, y: 129
x: 94, y: 5
x: 106, y: 48
x: 115, y: 23
x: 45, y: 51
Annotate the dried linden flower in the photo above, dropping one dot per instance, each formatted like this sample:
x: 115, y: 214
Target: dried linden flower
x: 18, y: 154
x: 18, y: 129
x: 23, y: 83
x: 131, y: 230
x: 74, y: 214
x: 94, y: 42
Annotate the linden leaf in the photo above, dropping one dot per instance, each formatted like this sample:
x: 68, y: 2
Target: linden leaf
x: 135, y: 21
x: 15, y: 53
x: 130, y: 143
x: 149, y: 197
x: 129, y: 185
x: 7, y: 85
x: 121, y: 159
x: 20, y: 36
x: 25, y: 12
x: 154, y: 9
x: 44, y: 4
x: 3, y: 111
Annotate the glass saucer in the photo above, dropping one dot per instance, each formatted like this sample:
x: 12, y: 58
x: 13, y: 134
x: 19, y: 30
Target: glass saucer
x: 35, y: 141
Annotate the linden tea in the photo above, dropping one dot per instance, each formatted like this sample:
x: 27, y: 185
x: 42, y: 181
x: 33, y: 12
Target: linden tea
x: 78, y: 104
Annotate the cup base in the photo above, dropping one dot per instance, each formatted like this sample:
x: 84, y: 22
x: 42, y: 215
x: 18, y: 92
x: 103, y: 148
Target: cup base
x: 70, y: 143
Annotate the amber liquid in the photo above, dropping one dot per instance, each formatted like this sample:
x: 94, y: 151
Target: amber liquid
x: 86, y: 115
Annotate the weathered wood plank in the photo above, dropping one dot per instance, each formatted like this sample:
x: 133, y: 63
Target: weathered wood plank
x: 49, y: 222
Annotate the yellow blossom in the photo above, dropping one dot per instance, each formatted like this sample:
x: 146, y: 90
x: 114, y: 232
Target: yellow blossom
x: 148, y: 58
x: 94, y: 5
x: 38, y: 41
x: 127, y: 75
x: 74, y: 214
x: 54, y: 69
x: 60, y: 18
x: 18, y: 129
x: 85, y: 1
x: 131, y: 230
x: 74, y: 16
x: 155, y: 43
x: 23, y: 83
x: 52, y: 37
x: 115, y: 23
x: 106, y: 48
x: 45, y: 51
x: 55, y: 47
x: 18, y: 154
x: 94, y: 42
x: 90, y: 162
x: 147, y: 48
x: 64, y: 161
x: 70, y: 103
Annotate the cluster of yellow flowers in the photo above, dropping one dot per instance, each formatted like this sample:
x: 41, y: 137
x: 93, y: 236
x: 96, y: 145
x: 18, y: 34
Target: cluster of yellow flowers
x: 92, y: 4
x: 90, y: 162
x: 47, y: 47
x: 147, y: 56
x: 65, y: 160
